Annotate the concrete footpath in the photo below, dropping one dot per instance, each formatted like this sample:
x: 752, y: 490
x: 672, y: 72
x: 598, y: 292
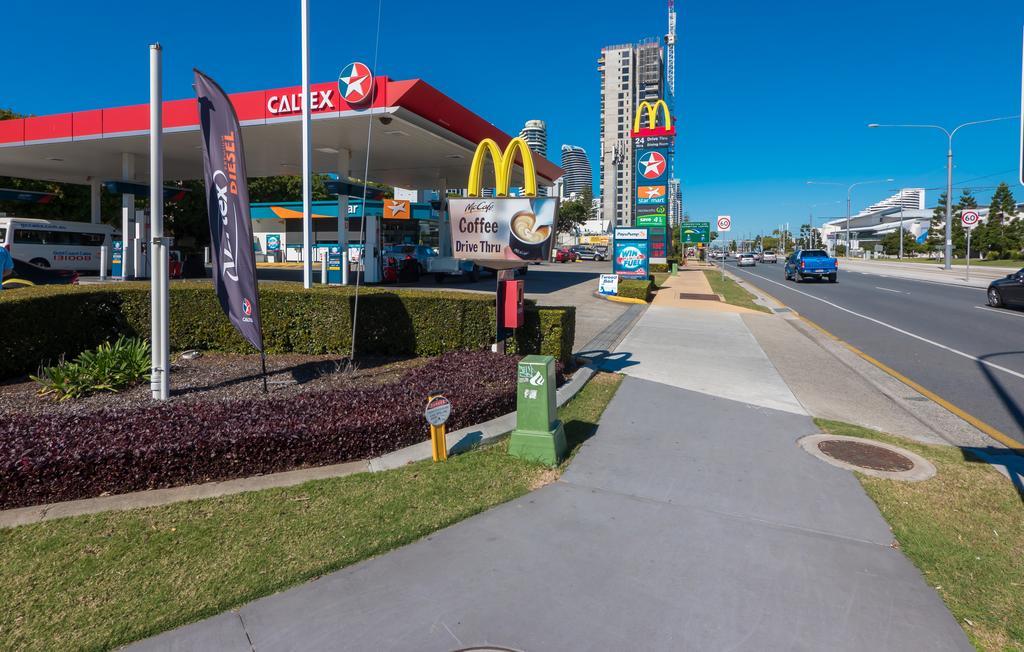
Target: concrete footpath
x: 691, y: 520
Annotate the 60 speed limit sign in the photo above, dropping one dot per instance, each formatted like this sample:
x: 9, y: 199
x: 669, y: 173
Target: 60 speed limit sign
x: 724, y: 223
x: 970, y: 219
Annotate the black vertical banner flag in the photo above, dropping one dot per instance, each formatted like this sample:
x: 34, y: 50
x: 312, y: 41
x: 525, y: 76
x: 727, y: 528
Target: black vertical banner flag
x: 227, y: 204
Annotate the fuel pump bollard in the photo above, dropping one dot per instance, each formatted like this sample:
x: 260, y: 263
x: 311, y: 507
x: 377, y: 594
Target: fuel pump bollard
x: 539, y: 435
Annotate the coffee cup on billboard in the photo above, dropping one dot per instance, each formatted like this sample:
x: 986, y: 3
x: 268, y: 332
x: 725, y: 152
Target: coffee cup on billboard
x: 526, y: 238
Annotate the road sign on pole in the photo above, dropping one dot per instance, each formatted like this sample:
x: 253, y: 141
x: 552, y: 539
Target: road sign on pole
x: 969, y: 219
x: 724, y: 223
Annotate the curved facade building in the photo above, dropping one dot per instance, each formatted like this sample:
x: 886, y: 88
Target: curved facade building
x: 578, y: 174
x: 535, y: 133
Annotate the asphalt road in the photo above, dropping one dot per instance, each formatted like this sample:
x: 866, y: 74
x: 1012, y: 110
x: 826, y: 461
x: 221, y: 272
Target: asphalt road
x: 943, y: 337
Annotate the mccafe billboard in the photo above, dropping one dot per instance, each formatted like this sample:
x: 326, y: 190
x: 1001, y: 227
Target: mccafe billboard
x: 502, y: 227
x: 507, y: 228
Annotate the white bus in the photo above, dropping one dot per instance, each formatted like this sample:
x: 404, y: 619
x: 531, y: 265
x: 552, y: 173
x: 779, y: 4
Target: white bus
x: 54, y: 243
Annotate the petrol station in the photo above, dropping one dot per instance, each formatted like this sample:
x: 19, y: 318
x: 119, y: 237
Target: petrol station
x: 419, y: 140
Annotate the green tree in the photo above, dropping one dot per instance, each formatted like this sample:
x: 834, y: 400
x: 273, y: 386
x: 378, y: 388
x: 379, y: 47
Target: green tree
x: 996, y: 237
x: 891, y: 243
x: 966, y: 201
x: 571, y: 215
x: 587, y: 199
x: 937, y: 230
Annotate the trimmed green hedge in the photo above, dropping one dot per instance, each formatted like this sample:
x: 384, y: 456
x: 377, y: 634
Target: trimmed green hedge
x: 632, y: 289
x: 661, y: 268
x: 42, y: 324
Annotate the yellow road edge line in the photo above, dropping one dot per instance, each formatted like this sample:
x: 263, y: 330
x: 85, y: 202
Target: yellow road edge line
x: 991, y: 431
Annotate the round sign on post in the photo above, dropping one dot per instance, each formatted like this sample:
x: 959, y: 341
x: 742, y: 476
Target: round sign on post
x: 438, y: 410
x: 724, y: 223
x: 970, y: 219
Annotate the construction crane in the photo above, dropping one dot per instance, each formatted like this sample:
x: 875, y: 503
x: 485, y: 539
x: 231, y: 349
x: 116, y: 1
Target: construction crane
x: 670, y: 54
x: 670, y: 70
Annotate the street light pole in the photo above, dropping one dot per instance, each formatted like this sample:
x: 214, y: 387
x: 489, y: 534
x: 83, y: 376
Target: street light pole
x: 949, y: 171
x: 849, y: 200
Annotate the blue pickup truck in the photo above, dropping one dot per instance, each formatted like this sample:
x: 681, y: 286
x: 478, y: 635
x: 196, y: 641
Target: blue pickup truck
x: 811, y: 263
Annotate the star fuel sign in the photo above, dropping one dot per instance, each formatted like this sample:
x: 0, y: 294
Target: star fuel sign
x: 651, y: 166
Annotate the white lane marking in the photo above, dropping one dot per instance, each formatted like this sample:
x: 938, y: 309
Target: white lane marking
x: 889, y: 290
x: 899, y: 330
x: 1001, y: 311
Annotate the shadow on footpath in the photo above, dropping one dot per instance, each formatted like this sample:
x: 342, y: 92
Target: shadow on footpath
x: 607, y: 361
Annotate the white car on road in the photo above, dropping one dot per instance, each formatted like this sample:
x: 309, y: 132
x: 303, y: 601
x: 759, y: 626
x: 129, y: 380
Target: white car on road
x: 746, y: 260
x: 769, y: 257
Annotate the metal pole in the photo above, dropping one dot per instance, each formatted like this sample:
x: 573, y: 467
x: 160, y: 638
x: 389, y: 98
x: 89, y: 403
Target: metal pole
x: 103, y: 263
x: 901, y: 228
x: 849, y: 192
x: 323, y: 269
x: 344, y: 160
x: 158, y: 247
x: 949, y: 205
x: 968, y: 255
x: 307, y: 186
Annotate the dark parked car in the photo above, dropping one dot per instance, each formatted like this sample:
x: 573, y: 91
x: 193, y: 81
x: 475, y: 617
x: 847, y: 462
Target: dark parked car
x: 1007, y: 291
x: 27, y: 274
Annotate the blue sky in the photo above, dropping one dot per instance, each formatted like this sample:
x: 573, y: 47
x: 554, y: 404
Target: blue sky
x: 769, y: 94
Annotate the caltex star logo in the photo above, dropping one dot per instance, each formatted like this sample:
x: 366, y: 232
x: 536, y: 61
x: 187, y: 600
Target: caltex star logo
x: 355, y: 83
x: 651, y: 165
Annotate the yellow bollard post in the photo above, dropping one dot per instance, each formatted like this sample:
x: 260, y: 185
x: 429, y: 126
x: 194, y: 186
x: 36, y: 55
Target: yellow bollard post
x: 437, y: 438
x: 438, y: 410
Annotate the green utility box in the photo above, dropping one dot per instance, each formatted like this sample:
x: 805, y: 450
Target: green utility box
x: 539, y: 434
x: 675, y: 269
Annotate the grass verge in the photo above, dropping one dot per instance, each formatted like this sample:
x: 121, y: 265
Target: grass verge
x: 99, y: 581
x: 964, y: 529
x: 733, y: 293
x: 659, y: 278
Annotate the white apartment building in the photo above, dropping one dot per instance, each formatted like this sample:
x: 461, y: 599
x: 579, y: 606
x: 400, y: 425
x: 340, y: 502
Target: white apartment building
x: 630, y: 73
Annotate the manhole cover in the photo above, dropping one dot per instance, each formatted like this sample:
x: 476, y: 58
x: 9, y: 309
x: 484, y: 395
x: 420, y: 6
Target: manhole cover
x: 700, y: 297
x: 865, y: 455
x: 874, y: 458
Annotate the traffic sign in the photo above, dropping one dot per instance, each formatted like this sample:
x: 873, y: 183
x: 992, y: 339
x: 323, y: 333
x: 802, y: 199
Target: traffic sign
x: 438, y: 410
x: 724, y: 223
x: 694, y: 232
x: 969, y: 219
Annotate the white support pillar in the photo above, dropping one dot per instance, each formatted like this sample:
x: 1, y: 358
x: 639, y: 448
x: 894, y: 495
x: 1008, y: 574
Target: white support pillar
x: 371, y: 249
x: 444, y: 233
x: 94, y: 201
x: 344, y: 161
x: 128, y: 218
x: 307, y: 155
x: 157, y: 246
